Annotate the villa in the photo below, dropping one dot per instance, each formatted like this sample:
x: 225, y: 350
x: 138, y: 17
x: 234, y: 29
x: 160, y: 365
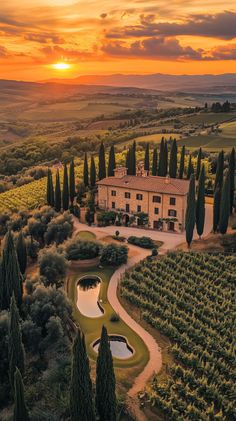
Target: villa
x: 162, y: 199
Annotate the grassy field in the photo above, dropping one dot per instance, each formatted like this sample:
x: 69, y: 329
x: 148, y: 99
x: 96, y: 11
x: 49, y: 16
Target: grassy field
x: 208, y: 118
x: 229, y: 130
x: 156, y: 138
x: 70, y: 111
x: 149, y: 138
x: 212, y: 143
x: 126, y: 370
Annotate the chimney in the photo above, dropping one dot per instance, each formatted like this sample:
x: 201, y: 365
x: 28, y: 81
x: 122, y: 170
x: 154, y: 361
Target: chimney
x: 167, y: 179
x: 140, y: 170
x: 120, y: 172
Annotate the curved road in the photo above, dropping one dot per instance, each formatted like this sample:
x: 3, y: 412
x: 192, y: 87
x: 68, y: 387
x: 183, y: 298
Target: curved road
x: 170, y: 241
x: 155, y: 359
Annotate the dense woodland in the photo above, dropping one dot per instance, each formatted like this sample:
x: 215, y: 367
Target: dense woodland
x: 42, y: 375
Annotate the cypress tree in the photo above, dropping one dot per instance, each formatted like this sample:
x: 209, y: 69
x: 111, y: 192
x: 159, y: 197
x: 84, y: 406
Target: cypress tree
x: 161, y: 168
x: 57, y: 193
x: 225, y: 205
x: 11, y: 278
x: 72, y: 181
x: 50, y: 190
x: 173, y: 160
x: 165, y: 159
x: 127, y: 162
x: 182, y: 161
x: 190, y: 216
x: 199, y: 161
x: 111, y: 162
x: 81, y: 396
x: 190, y: 170
x: 102, y: 162
x: 200, y: 204
x: 232, y: 178
x: 16, y: 354
x: 133, y: 159
x: 5, y: 296
x: 65, y: 192
x: 20, y: 408
x: 21, y: 252
x: 220, y: 170
x: 216, y: 208
x: 86, y: 176
x: 92, y: 172
x: 105, y: 381
x: 147, y: 158
x: 154, y: 162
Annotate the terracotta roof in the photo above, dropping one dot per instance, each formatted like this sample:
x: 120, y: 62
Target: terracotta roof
x: 150, y: 183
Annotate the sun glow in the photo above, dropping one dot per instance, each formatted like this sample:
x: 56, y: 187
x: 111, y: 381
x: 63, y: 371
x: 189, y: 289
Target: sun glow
x: 61, y: 66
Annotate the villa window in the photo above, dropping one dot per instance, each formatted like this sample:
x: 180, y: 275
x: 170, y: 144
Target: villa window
x: 127, y: 208
x: 139, y: 208
x: 156, y: 211
x: 113, y: 205
x: 172, y: 201
x: 156, y: 199
x: 113, y: 193
x: 172, y: 212
x: 139, y: 196
x: 127, y: 195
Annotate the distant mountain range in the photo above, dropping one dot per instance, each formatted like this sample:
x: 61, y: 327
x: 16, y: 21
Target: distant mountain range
x: 163, y: 82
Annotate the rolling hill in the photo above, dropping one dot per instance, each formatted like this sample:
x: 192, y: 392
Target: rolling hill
x: 224, y: 83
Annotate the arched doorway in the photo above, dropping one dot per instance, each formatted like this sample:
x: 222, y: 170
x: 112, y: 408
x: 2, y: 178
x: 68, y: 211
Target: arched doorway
x: 171, y: 226
x: 126, y: 219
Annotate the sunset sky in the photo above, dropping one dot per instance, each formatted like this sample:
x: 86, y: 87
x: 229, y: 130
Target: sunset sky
x: 108, y: 36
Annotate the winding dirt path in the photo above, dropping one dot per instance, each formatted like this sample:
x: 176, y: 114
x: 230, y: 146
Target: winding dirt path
x: 155, y: 359
x: 170, y: 241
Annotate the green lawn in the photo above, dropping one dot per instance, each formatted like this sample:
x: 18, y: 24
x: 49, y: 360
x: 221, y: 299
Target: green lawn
x: 86, y: 235
x: 92, y: 326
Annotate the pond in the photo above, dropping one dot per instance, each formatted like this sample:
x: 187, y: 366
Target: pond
x: 88, y: 288
x: 119, y: 347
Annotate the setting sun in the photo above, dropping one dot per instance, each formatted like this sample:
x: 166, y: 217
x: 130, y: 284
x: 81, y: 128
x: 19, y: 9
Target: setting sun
x: 61, y: 66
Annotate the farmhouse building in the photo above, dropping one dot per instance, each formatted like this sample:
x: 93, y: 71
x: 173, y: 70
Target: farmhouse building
x: 162, y: 199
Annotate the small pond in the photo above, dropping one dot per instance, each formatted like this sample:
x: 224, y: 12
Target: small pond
x: 119, y: 347
x: 88, y: 288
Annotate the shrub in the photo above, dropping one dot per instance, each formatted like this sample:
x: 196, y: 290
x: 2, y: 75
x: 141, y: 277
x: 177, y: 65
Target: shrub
x: 77, y: 249
x: 59, y: 229
x: 38, y: 223
x: 114, y: 318
x: 229, y: 243
x: 106, y: 217
x: 52, y: 266
x: 119, y: 238
x: 4, y: 219
x: 32, y: 247
x: 154, y: 252
x: 114, y: 255
x: 144, y: 242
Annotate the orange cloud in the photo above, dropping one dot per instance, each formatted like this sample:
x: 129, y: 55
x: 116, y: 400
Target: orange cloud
x: 35, y: 34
